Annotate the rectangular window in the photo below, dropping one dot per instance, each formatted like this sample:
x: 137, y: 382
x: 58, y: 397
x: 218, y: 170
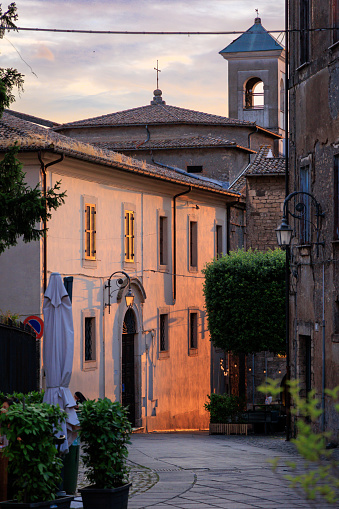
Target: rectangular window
x: 335, y: 8
x: 163, y: 240
x: 163, y: 332
x: 193, y: 331
x: 194, y: 169
x: 129, y: 236
x: 218, y: 240
x: 90, y: 353
x: 193, y: 244
x: 336, y: 198
x: 304, y: 31
x: 90, y: 231
x: 305, y: 223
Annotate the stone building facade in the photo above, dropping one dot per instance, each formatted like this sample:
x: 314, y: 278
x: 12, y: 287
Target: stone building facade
x: 314, y: 168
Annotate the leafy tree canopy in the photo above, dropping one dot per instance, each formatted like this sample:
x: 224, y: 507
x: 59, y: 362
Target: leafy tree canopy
x: 245, y: 301
x: 22, y: 207
x: 9, y: 78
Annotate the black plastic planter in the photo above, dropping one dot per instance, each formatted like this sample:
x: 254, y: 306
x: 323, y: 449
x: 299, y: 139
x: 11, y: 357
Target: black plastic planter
x: 114, y: 498
x: 58, y: 503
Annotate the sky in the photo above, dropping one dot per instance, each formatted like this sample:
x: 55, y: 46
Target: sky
x: 76, y: 76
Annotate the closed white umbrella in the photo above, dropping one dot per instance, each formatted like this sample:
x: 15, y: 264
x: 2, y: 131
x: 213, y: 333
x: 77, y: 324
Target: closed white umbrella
x: 58, y: 348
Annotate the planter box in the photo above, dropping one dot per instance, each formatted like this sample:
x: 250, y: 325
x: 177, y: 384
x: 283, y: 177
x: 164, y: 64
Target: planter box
x: 228, y: 429
x: 114, y: 498
x: 58, y: 503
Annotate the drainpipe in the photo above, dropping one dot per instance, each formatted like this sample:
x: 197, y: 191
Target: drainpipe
x: 147, y: 139
x: 43, y: 168
x: 174, y: 276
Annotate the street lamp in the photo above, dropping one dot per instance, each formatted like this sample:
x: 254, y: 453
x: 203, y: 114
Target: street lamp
x: 129, y: 297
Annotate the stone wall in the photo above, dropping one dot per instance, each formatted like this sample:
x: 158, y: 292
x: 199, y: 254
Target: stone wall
x: 264, y: 200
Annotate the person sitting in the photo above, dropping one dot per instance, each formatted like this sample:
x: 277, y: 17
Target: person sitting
x: 79, y: 398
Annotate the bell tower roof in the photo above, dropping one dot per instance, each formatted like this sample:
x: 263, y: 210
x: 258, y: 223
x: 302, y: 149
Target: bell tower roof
x: 255, y: 38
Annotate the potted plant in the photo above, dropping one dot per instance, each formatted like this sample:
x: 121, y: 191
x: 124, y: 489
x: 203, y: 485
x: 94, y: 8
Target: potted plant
x: 226, y: 414
x: 105, y: 431
x: 33, y: 460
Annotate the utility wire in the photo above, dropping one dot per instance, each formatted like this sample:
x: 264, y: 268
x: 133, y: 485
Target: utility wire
x: 134, y: 32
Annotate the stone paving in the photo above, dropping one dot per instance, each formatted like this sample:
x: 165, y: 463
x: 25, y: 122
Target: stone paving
x: 198, y: 471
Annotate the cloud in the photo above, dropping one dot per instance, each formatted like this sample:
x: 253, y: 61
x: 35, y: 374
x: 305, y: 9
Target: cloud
x: 84, y: 75
x: 44, y: 53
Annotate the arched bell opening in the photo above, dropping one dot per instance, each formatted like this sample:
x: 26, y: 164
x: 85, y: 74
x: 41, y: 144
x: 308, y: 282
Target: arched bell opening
x: 254, y: 94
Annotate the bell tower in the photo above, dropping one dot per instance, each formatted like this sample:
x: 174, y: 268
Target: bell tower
x: 256, y: 78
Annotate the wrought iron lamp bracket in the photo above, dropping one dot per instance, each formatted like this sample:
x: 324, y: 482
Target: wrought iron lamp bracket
x: 299, y: 213
x: 121, y: 283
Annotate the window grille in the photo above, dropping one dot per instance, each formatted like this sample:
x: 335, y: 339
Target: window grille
x: 89, y: 339
x: 305, y: 223
x: 163, y: 319
x: 193, y: 330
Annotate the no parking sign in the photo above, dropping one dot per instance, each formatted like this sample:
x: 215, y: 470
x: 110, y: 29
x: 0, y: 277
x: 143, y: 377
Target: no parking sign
x: 37, y: 324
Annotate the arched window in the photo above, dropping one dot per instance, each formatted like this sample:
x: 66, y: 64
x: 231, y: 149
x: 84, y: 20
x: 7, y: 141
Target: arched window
x: 254, y: 94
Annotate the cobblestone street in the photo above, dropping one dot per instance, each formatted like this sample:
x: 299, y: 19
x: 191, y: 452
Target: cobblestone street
x: 199, y: 471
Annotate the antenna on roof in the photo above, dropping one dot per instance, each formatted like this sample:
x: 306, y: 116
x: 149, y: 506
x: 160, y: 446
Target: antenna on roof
x: 158, y: 70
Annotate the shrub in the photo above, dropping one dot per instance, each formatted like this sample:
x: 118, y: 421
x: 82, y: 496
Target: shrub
x: 32, y: 455
x: 224, y: 408
x: 105, y: 431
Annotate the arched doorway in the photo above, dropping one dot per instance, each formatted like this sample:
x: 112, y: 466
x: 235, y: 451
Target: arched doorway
x: 127, y: 365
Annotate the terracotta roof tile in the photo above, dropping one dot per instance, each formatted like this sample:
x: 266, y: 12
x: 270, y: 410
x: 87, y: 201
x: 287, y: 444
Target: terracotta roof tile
x: 32, y: 137
x: 261, y: 165
x: 172, y: 143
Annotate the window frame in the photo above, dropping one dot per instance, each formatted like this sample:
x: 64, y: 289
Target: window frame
x: 219, y: 240
x: 335, y: 21
x: 304, y: 34
x: 89, y: 261
x: 305, y: 186
x: 193, y: 324
x: 193, y: 239
x: 92, y: 364
x: 336, y: 197
x: 129, y: 236
x: 163, y: 243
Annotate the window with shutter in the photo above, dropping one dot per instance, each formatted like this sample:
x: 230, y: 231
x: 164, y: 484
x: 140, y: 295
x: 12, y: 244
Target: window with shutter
x: 129, y: 236
x: 90, y: 231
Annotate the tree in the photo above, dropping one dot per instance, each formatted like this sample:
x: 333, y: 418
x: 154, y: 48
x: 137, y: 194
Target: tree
x: 245, y: 301
x: 21, y: 206
x: 9, y: 78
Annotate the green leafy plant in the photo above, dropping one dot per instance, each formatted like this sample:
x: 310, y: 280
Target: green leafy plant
x: 321, y: 475
x: 29, y: 398
x: 32, y: 455
x: 224, y: 408
x: 245, y: 301
x: 105, y: 431
x: 22, y: 206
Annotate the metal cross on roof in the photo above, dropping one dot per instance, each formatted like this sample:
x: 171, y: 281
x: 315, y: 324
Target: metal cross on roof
x: 257, y: 11
x: 158, y: 70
